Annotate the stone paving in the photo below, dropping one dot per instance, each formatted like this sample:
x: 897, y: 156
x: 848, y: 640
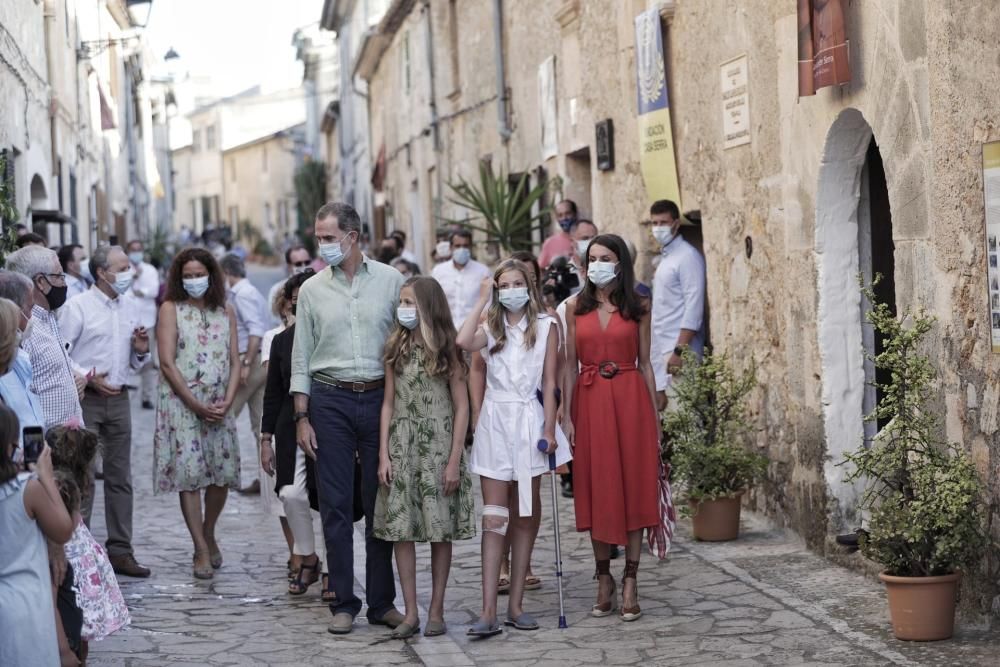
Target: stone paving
x: 763, y: 600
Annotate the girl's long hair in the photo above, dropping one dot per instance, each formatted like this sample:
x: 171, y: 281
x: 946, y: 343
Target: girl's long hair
x: 495, y: 316
x: 623, y: 295
x: 441, y: 354
x: 73, y: 448
x: 9, y: 429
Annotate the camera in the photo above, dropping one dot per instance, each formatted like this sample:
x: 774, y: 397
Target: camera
x: 560, y: 281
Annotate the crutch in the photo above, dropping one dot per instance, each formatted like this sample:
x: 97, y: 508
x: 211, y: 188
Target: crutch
x: 543, y: 445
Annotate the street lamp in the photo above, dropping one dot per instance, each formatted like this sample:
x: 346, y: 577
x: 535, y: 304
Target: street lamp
x: 139, y: 11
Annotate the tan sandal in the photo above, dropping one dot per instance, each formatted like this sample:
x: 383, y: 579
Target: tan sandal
x: 629, y: 614
x: 204, y: 572
x: 602, y: 609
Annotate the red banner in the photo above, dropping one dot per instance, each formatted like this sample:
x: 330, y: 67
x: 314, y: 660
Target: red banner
x: 823, y: 45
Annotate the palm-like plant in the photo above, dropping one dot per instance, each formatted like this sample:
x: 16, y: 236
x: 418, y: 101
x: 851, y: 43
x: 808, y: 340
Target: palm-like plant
x: 8, y: 213
x: 503, y: 213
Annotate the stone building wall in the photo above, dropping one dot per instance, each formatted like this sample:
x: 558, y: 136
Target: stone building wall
x: 793, y: 305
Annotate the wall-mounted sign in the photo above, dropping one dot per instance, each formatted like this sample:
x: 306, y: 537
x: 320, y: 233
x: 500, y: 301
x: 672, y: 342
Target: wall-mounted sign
x: 656, y: 136
x: 991, y: 194
x: 605, y: 143
x: 735, y: 103
x: 823, y: 45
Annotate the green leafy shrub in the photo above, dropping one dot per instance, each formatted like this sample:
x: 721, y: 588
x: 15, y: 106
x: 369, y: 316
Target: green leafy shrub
x: 707, y: 427
x: 503, y: 210
x: 924, y: 496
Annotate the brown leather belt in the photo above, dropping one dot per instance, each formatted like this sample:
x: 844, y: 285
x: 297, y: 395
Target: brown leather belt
x: 356, y: 387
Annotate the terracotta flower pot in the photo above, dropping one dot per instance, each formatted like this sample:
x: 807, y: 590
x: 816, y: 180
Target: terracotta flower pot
x: 716, y: 520
x: 922, y: 608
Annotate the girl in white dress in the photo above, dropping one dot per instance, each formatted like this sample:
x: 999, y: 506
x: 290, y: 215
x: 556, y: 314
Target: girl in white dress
x: 522, y: 357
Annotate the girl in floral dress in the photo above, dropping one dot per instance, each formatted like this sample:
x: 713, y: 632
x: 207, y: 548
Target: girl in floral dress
x: 425, y: 493
x: 195, y: 445
x: 97, y: 593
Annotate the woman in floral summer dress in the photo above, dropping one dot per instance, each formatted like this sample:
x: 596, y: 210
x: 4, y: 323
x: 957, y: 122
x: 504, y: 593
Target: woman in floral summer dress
x: 195, y: 445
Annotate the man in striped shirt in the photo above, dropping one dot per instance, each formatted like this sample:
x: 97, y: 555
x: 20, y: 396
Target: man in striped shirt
x: 54, y: 381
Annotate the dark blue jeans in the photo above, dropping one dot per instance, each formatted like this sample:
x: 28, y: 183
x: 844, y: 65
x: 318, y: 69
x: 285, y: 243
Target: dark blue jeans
x: 346, y: 422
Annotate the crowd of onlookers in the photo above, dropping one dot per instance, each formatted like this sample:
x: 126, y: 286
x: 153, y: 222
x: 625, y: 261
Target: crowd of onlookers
x: 365, y: 382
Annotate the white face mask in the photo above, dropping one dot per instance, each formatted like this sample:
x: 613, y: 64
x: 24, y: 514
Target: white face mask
x: 123, y: 280
x: 407, y: 316
x: 135, y: 257
x: 299, y: 269
x: 334, y: 253
x: 514, y: 298
x: 462, y: 256
x: 663, y: 234
x: 581, y: 248
x: 196, y: 287
x: 443, y: 250
x: 601, y: 273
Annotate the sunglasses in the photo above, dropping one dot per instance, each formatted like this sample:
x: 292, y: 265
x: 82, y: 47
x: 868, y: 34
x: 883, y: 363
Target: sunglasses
x: 301, y: 264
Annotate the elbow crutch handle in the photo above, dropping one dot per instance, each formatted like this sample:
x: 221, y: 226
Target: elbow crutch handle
x: 543, y: 446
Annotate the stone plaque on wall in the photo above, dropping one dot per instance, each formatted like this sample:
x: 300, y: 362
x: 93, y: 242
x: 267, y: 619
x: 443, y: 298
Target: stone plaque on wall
x: 735, y: 103
x: 605, y: 145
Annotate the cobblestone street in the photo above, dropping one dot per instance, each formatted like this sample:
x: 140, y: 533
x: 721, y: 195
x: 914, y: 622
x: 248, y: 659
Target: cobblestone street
x: 763, y: 600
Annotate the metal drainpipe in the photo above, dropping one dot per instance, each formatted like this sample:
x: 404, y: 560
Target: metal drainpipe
x: 430, y: 69
x: 49, y: 18
x: 502, y: 127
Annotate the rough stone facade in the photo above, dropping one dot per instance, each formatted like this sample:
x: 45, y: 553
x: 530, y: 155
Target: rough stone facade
x: 919, y: 88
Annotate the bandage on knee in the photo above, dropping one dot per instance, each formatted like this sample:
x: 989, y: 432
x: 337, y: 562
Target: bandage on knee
x: 495, y: 519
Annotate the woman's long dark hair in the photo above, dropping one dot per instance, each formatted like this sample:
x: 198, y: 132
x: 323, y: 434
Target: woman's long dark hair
x: 623, y: 295
x: 9, y: 428
x: 215, y: 297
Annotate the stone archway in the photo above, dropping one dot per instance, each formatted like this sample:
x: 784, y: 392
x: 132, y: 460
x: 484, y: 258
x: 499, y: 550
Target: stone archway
x: 839, y: 312
x: 39, y: 195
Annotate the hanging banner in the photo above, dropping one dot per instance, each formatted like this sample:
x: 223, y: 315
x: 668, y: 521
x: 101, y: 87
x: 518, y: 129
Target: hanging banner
x: 656, y: 138
x: 823, y: 45
x: 991, y: 194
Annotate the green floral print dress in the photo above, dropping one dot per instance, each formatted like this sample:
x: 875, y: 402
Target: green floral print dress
x: 414, y: 508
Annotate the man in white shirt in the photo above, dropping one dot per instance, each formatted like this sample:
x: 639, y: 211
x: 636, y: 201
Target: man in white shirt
x: 145, y: 289
x: 74, y: 265
x: 251, y: 325
x: 105, y: 339
x: 461, y: 277
x: 678, y: 298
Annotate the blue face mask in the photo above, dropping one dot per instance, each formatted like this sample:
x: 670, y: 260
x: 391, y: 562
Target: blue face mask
x: 567, y: 224
x: 461, y: 256
x: 123, y: 281
x: 333, y: 253
x: 601, y: 273
x: 135, y: 257
x: 407, y: 316
x: 196, y: 287
x: 514, y: 298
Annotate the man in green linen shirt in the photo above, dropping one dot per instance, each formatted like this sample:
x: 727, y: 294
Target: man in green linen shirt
x: 343, y: 317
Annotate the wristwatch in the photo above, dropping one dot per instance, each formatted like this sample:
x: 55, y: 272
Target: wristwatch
x: 299, y: 416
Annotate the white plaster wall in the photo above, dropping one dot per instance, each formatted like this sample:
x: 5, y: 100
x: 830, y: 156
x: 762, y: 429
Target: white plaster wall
x: 839, y: 320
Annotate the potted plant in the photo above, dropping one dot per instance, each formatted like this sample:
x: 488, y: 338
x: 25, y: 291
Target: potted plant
x: 923, y: 498
x: 705, y: 428
x: 506, y: 211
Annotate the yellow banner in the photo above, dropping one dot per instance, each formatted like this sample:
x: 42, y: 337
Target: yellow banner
x: 656, y: 156
x: 656, y: 138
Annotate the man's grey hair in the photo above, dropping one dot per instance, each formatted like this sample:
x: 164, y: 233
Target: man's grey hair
x: 232, y: 265
x: 17, y: 288
x: 32, y: 260
x: 99, y: 258
x: 347, y: 218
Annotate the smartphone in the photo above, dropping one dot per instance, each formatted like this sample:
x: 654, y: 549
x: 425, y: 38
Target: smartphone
x: 34, y: 440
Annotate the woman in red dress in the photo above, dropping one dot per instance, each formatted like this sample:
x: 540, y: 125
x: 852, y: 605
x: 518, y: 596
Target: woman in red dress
x: 612, y: 422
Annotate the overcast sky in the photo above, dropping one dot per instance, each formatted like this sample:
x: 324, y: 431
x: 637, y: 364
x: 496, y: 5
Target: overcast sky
x: 239, y: 43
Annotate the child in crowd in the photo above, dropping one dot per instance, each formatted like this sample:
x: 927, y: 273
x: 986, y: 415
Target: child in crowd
x: 426, y: 491
x: 522, y: 358
x: 30, y: 512
x: 97, y: 592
